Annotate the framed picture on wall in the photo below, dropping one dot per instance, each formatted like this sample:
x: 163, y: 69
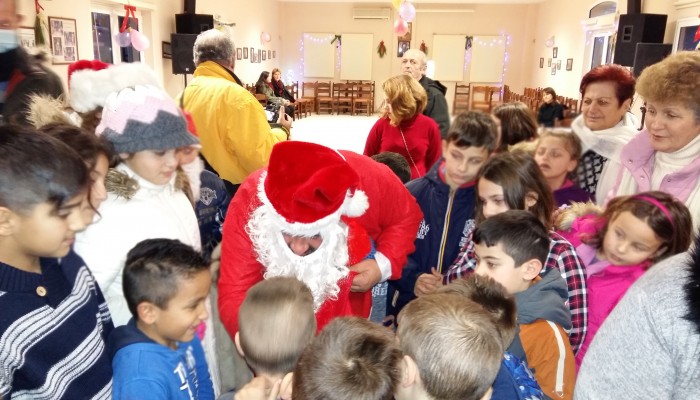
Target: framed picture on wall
x: 167, y: 50
x: 259, y: 57
x: 402, y: 47
x: 264, y: 55
x: 239, y: 54
x: 269, y: 54
x: 558, y: 64
x: 554, y: 69
x: 252, y: 51
x: 407, y: 36
x: 274, y: 53
x: 684, y: 38
x: 25, y: 34
x: 64, y: 40
x: 555, y: 52
x: 541, y: 62
x: 245, y: 53
x: 549, y: 62
x: 569, y: 64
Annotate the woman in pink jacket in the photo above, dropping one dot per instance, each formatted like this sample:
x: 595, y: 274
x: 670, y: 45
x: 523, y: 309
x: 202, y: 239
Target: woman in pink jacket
x: 618, y: 246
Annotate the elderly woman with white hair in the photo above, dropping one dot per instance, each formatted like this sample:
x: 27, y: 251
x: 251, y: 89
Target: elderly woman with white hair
x: 665, y: 156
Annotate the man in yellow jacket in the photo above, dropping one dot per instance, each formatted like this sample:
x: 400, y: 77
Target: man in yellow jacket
x: 233, y: 129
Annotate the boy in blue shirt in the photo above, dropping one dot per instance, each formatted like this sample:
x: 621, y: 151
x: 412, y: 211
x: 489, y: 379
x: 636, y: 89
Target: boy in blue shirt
x: 446, y: 195
x: 158, y: 354
x: 54, y: 320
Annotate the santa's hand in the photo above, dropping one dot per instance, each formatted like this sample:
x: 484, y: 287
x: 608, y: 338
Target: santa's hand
x: 260, y: 388
x: 368, y: 275
x: 428, y: 283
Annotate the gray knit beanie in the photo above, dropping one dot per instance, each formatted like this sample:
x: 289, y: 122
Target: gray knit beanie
x: 143, y: 117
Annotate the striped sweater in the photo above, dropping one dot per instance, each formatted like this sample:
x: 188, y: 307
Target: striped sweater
x: 53, y: 330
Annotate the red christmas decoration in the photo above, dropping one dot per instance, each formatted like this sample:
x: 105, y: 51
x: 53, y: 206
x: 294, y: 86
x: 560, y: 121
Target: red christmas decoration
x: 381, y: 49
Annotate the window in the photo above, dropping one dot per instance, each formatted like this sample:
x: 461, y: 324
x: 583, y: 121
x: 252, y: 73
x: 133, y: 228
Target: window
x: 604, y: 8
x: 106, y: 22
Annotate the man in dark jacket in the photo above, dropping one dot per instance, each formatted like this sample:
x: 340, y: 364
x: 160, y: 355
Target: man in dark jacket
x: 21, y: 74
x: 414, y: 63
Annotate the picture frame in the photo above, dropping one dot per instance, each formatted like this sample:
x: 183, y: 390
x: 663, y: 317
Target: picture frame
x: 554, y: 69
x: 63, y: 37
x: 541, y: 62
x: 555, y: 52
x: 401, y: 47
x: 252, y: 52
x: 683, y: 39
x: 245, y: 53
x: 26, y: 37
x: 264, y: 55
x: 549, y: 62
x: 407, y: 36
x: 259, y: 57
x: 274, y: 53
x: 239, y: 53
x: 167, y: 50
x: 558, y: 64
x: 269, y: 54
x: 569, y: 64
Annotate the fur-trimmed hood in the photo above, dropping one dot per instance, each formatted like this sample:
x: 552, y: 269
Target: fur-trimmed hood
x: 119, y: 182
x: 564, y: 217
x: 692, y: 288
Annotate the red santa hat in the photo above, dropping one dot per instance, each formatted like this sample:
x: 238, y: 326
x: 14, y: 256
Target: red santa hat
x: 310, y: 187
x: 91, y: 81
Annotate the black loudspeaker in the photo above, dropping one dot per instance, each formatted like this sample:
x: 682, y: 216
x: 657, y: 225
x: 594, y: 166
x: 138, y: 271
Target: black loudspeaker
x: 637, y: 28
x: 648, y: 54
x: 183, y: 59
x: 190, y: 5
x: 193, y: 23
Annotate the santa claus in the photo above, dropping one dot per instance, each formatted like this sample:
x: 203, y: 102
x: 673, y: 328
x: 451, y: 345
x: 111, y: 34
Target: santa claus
x: 336, y: 220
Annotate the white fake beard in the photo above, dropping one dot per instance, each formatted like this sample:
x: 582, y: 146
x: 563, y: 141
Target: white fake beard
x: 320, y: 270
x: 193, y: 171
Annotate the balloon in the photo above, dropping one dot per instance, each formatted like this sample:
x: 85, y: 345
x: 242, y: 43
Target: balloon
x: 265, y: 37
x: 123, y: 38
x: 139, y: 40
x: 400, y: 27
x: 549, y: 42
x: 407, y: 11
x: 396, y: 3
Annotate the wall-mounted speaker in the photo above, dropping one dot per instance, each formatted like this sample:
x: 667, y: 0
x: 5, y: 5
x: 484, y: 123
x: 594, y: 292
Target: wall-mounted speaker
x: 193, y: 23
x: 648, y: 54
x: 183, y: 58
x: 637, y: 28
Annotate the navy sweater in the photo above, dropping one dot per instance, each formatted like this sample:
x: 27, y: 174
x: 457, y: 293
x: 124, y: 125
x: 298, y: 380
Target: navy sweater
x: 53, y: 330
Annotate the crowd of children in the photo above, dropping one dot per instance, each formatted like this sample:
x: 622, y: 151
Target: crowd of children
x: 106, y: 236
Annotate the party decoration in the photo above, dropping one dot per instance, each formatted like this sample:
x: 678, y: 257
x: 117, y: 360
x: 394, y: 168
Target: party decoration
x: 39, y: 38
x: 265, y: 37
x: 549, y: 42
x: 400, y: 27
x: 423, y: 47
x: 697, y: 34
x: 407, y: 11
x: 139, y: 40
x: 396, y: 4
x: 123, y: 38
x: 381, y: 49
x: 338, y: 38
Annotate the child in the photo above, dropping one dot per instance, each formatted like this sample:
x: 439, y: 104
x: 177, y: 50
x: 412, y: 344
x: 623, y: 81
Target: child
x: 512, y: 181
x: 557, y: 155
x: 452, y: 348
x: 352, y: 358
x: 446, y: 196
x: 158, y: 354
x: 55, y: 321
x: 145, y: 127
x: 618, y: 246
x: 96, y: 152
x: 396, y: 163
x: 276, y: 323
x: 511, y: 248
x: 515, y: 379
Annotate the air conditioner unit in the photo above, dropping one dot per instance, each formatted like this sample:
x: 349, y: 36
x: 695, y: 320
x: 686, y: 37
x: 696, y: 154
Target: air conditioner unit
x: 371, y: 13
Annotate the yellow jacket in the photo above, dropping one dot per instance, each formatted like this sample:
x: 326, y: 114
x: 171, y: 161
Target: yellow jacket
x: 233, y: 130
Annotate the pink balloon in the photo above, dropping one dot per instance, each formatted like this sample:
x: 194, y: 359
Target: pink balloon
x: 139, y: 40
x: 123, y: 38
x: 400, y: 27
x: 407, y: 11
x: 265, y: 37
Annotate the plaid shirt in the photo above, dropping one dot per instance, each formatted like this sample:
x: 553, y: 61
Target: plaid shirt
x: 563, y: 257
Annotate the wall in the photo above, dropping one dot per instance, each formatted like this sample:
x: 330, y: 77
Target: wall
x: 337, y: 18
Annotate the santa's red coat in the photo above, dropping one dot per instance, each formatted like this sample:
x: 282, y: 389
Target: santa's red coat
x: 391, y: 221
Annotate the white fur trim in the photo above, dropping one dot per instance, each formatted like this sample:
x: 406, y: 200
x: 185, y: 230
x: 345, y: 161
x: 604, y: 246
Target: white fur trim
x: 355, y: 205
x: 88, y: 89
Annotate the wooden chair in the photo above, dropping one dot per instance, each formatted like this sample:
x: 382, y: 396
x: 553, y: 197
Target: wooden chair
x: 364, y: 98
x: 261, y: 98
x: 301, y: 106
x: 343, y: 97
x: 324, y: 97
x: 461, y: 100
x: 308, y: 93
x: 495, y: 96
x: 481, y: 98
